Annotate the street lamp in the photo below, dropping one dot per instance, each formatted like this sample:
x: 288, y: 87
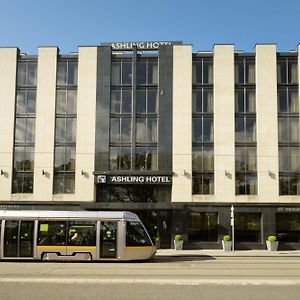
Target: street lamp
x: 232, y: 225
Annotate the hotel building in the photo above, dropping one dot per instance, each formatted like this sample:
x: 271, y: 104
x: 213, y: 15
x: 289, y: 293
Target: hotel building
x: 179, y: 137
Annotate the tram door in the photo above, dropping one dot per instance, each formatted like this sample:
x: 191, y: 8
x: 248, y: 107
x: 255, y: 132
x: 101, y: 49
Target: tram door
x: 18, y: 238
x: 108, y: 239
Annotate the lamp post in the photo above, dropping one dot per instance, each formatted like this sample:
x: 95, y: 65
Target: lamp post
x: 232, y: 225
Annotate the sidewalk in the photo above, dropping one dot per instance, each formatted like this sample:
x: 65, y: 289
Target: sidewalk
x: 221, y: 253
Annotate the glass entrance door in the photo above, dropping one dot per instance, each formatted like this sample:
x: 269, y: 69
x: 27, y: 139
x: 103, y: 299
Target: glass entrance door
x: 108, y: 239
x: 18, y: 238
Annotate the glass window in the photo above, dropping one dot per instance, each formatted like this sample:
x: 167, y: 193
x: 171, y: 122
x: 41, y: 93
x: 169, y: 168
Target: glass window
x: 52, y: 233
x: 125, y: 160
x: 250, y: 72
x: 115, y: 105
x: 288, y: 227
x: 197, y: 72
x: 64, y: 184
x: 207, y: 72
x: 203, y: 227
x: 197, y: 101
x: 141, y: 101
x: 82, y: 233
x: 67, y: 72
x: 141, y: 72
x: 293, y: 72
x: 146, y: 130
x: 126, y: 72
x: 203, y: 184
x: 21, y: 75
x: 281, y: 72
x: 116, y: 73
x: 239, y: 72
x: 152, y: 72
x: 136, y: 235
x: 32, y: 73
x: 247, y: 227
x: 246, y: 184
x: 126, y: 101
x: 146, y: 158
x: 152, y: 101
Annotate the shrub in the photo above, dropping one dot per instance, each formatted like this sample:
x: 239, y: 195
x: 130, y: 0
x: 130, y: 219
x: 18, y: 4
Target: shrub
x: 272, y: 238
x: 178, y: 237
x: 227, y: 238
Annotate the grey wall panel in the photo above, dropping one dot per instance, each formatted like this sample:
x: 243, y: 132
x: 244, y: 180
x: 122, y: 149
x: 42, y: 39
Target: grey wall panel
x: 165, y: 108
x: 102, y: 109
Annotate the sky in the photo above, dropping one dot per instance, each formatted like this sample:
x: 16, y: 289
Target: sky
x: 69, y: 24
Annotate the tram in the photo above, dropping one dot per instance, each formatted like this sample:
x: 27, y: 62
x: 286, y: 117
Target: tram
x: 73, y: 235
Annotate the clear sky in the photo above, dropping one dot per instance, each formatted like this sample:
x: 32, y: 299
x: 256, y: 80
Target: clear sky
x: 68, y: 24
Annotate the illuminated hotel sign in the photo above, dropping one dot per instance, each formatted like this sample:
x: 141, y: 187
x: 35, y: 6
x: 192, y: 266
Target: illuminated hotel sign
x: 134, y: 179
x: 140, y: 45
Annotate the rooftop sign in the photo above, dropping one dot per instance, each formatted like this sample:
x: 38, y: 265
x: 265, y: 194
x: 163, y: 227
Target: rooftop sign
x: 140, y: 45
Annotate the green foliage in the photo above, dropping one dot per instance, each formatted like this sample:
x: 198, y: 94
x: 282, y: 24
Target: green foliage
x: 272, y: 238
x: 178, y: 237
x: 227, y: 238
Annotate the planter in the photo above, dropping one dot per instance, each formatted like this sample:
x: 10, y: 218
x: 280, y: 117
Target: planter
x: 227, y: 245
x: 178, y: 245
x: 272, y: 246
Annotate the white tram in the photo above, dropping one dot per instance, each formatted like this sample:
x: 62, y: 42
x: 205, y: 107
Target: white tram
x: 73, y: 235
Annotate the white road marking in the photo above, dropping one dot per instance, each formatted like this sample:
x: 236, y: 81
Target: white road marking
x: 159, y: 281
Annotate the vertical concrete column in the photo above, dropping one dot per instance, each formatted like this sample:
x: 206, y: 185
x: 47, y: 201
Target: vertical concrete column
x: 182, y: 124
x: 224, y: 130
x: 267, y: 123
x: 45, y: 123
x: 86, y: 123
x: 8, y: 69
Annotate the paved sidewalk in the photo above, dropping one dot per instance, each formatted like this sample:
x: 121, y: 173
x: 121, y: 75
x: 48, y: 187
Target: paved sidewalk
x: 221, y: 253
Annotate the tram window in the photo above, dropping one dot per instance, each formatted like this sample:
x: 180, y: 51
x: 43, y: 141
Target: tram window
x: 82, y: 233
x: 52, y: 233
x: 136, y: 235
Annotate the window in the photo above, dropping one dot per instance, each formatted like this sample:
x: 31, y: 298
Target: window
x: 203, y: 227
x: 287, y: 70
x: 65, y: 127
x: 52, y: 233
x: 288, y: 227
x: 24, y: 139
x: 82, y: 233
x: 247, y: 227
x: 288, y: 125
x: 136, y: 235
x: 146, y: 158
x: 134, y: 114
x: 203, y: 126
x: 245, y: 127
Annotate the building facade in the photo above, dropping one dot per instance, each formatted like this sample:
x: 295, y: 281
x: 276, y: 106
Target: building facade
x: 178, y: 137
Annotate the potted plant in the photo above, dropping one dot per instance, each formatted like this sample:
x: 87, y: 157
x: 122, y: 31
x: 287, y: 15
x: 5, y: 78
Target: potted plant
x: 226, y: 242
x: 272, y: 243
x: 178, y: 242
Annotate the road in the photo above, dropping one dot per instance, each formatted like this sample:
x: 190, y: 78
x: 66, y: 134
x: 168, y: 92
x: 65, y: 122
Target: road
x: 163, y: 278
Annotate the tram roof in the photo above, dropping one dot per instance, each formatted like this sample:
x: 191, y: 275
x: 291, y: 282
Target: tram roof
x: 49, y: 214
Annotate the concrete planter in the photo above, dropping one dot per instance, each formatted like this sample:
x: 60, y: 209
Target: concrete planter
x: 272, y: 246
x: 227, y: 245
x: 178, y: 245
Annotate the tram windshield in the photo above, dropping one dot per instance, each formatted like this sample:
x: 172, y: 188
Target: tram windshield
x: 136, y: 235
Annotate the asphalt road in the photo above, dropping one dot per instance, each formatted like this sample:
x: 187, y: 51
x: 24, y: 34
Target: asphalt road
x: 163, y: 278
